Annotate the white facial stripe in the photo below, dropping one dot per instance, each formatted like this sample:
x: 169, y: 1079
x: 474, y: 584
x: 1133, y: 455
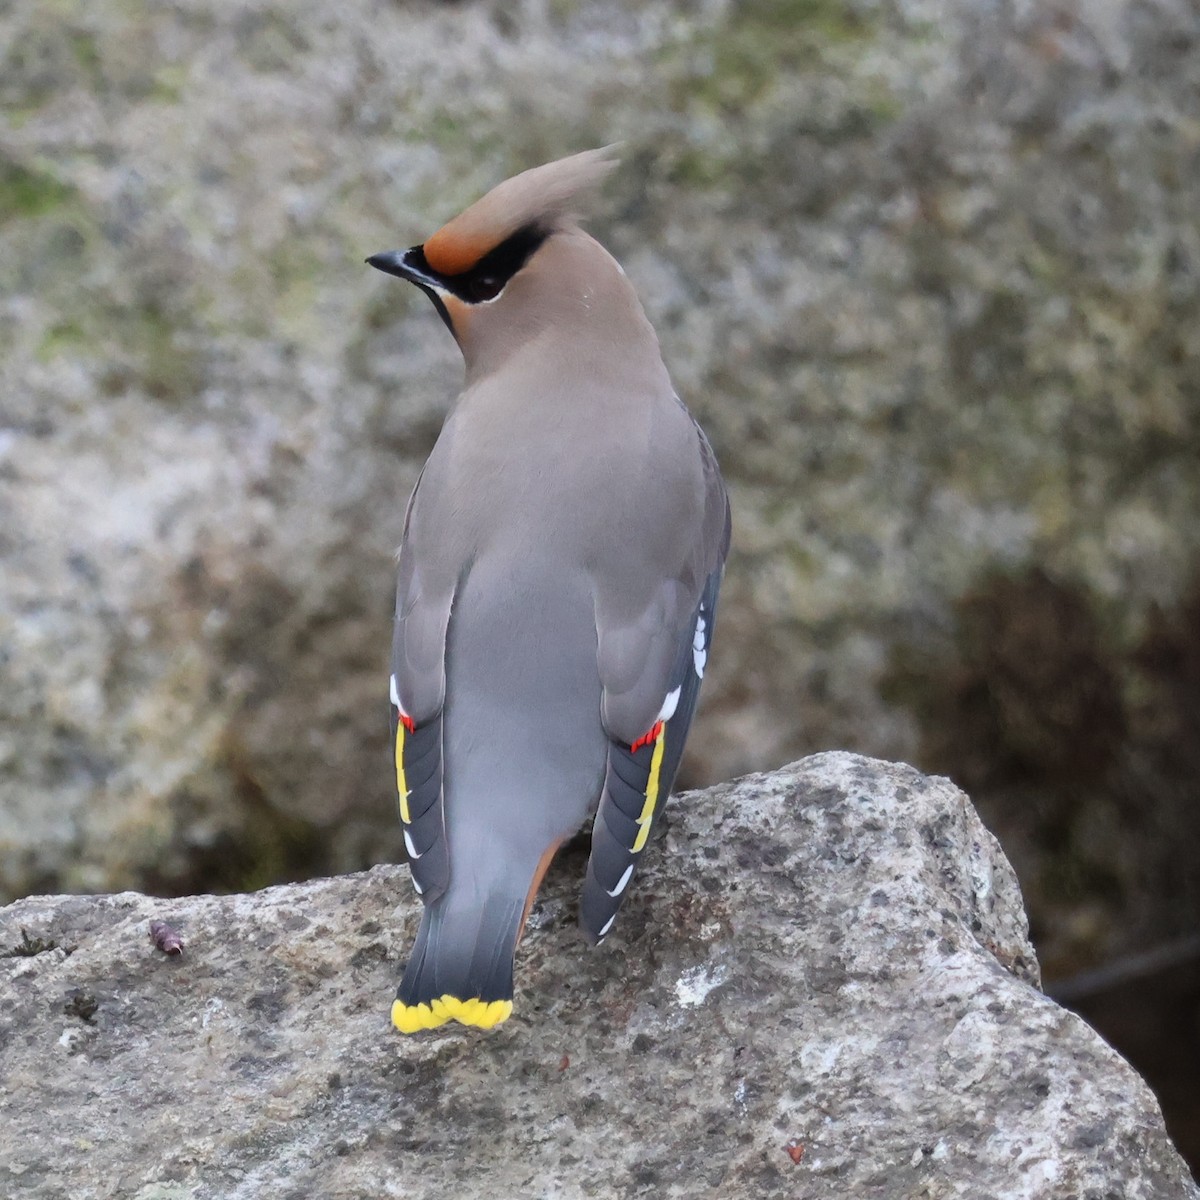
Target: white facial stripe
x: 408, y: 845
x: 622, y: 881
x: 417, y: 887
x: 670, y: 704
x: 607, y: 925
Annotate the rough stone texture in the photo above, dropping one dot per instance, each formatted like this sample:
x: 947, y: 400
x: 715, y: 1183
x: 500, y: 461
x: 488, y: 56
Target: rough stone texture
x: 828, y: 964
x: 928, y: 270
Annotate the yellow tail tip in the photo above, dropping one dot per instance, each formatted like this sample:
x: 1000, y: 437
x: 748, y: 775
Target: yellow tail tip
x: 482, y: 1014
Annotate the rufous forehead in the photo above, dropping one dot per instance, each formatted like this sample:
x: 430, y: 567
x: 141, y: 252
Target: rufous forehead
x: 450, y: 252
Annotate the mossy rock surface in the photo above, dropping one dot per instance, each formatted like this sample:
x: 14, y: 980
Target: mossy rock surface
x: 928, y: 272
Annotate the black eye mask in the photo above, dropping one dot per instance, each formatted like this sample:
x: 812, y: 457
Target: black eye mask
x: 484, y: 281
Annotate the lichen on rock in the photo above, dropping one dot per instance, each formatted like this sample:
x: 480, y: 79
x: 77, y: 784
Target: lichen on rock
x: 928, y: 271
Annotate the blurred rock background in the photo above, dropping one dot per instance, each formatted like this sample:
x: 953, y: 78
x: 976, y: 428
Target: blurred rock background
x: 928, y: 273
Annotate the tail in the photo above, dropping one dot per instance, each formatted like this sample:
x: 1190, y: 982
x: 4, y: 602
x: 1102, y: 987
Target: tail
x: 461, y: 967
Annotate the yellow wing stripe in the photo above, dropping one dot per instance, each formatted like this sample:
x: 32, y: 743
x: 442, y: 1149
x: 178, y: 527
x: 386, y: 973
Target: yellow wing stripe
x: 482, y: 1014
x: 401, y: 782
x: 652, y: 786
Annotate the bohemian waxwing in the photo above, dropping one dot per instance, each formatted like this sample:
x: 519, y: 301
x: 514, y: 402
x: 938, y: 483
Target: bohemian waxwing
x: 558, y: 578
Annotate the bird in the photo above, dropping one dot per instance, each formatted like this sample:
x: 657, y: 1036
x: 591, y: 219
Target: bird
x: 557, y: 586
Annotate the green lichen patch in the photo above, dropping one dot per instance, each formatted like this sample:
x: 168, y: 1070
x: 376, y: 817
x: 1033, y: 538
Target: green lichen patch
x: 736, y: 63
x: 86, y: 53
x: 157, y: 357
x: 63, y: 339
x: 169, y: 83
x: 29, y: 192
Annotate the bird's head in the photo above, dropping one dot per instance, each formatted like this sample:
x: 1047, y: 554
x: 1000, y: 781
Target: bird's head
x: 492, y: 272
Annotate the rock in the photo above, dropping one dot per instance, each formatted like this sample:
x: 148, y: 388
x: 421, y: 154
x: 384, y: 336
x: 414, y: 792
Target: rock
x: 928, y: 271
x: 822, y: 986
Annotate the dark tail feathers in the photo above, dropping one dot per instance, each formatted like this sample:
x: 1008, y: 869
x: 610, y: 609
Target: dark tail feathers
x: 461, y: 967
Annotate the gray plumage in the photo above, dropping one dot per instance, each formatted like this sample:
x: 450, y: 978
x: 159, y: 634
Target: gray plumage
x: 557, y: 587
